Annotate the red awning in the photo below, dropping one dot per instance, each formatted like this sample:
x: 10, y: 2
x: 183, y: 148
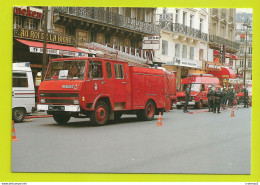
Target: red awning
x: 49, y: 46
x: 216, y: 52
x: 224, y: 73
x: 227, y: 55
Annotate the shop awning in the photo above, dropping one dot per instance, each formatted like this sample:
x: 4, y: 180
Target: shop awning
x: 216, y: 52
x: 53, y: 49
x: 224, y: 73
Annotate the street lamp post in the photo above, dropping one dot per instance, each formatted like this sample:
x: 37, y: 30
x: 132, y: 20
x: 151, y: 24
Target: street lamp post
x: 44, y: 59
x: 244, y: 75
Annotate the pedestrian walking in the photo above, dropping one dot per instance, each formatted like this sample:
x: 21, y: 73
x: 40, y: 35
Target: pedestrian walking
x: 187, y: 98
x: 245, y: 98
x: 210, y: 96
x: 218, y: 95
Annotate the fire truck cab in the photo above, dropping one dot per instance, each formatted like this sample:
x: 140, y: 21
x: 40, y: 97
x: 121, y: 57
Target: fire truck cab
x: 199, y: 84
x: 100, y: 89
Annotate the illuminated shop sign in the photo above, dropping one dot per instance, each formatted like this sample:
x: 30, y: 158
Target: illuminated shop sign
x: 28, y: 12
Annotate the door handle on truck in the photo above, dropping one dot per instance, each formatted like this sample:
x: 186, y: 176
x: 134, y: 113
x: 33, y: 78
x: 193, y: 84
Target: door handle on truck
x: 103, y: 82
x: 123, y: 82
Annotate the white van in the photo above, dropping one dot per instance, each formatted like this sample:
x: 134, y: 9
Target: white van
x: 23, y: 93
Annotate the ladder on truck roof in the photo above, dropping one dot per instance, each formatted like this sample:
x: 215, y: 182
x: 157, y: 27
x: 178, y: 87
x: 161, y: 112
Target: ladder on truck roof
x: 111, y: 53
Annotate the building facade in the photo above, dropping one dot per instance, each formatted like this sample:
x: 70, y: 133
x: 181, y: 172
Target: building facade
x: 222, y: 43
x: 184, y: 40
x: 244, y: 35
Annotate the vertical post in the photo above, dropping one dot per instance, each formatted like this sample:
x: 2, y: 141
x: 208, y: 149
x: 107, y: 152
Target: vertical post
x: 244, y: 82
x: 44, y: 59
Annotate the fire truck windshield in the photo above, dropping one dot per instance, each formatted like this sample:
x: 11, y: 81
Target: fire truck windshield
x: 194, y: 87
x: 61, y: 70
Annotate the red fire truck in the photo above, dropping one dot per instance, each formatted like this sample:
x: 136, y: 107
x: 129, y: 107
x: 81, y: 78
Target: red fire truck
x: 199, y: 84
x: 101, y: 89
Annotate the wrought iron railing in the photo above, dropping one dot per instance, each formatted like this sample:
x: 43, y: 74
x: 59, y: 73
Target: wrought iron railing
x: 215, y: 11
x: 110, y: 18
x: 222, y: 41
x: 182, y: 29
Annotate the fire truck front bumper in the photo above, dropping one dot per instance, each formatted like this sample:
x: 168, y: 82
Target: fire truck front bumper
x: 183, y: 102
x: 67, y: 108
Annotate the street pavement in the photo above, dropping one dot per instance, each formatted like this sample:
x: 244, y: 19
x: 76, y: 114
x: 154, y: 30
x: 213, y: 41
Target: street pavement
x: 202, y: 142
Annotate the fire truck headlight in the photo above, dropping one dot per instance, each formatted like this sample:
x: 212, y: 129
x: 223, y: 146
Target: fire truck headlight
x: 42, y: 100
x: 76, y: 101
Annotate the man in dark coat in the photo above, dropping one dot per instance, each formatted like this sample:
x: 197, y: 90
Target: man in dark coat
x: 224, y: 98
x: 218, y: 96
x: 245, y: 97
x: 210, y: 96
x: 231, y: 96
x: 187, y: 98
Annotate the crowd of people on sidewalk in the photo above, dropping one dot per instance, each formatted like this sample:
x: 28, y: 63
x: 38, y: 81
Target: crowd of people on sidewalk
x: 218, y: 98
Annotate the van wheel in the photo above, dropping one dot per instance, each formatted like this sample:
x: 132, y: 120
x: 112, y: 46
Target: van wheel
x: 100, y: 116
x: 61, y: 118
x: 147, y: 114
x: 18, y: 115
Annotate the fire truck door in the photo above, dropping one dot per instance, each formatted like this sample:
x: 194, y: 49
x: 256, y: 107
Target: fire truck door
x: 122, y: 95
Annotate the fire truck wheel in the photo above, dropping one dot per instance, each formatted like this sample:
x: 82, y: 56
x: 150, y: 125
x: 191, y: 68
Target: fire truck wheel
x: 148, y: 113
x: 100, y: 116
x: 18, y: 114
x: 61, y: 118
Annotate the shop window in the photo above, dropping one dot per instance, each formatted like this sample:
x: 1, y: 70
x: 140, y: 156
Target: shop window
x: 20, y: 80
x: 119, y: 73
x: 18, y: 22
x: 108, y: 69
x: 164, y: 47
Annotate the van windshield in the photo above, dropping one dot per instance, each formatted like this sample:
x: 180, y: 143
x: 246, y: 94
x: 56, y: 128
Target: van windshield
x: 61, y: 70
x: 194, y: 87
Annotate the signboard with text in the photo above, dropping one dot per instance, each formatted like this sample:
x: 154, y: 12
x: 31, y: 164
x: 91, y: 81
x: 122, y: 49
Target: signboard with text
x: 187, y: 63
x: 151, y: 42
x: 39, y: 36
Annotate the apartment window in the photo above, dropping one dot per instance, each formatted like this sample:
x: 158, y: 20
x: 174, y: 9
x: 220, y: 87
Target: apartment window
x: 18, y: 22
x: 222, y: 31
x: 250, y: 50
x: 201, y: 25
x: 176, y: 16
x: 201, y: 54
x: 241, y: 62
x: 184, y: 18
x: 177, y: 50
x: 191, y: 21
x: 184, y: 51
x: 164, y: 47
x: 249, y: 63
x: 250, y: 38
x: 192, y: 53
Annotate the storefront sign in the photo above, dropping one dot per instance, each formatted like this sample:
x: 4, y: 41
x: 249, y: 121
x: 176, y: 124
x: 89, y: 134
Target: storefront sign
x: 57, y: 52
x: 151, y: 42
x: 213, y: 66
x: 39, y: 36
x: 187, y: 63
x: 28, y: 12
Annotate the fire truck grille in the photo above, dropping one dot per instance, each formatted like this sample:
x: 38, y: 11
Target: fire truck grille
x: 181, y: 99
x: 59, y: 95
x: 59, y: 101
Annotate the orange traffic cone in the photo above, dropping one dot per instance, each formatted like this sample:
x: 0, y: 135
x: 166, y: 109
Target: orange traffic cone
x: 159, y: 123
x: 232, y: 112
x: 13, y: 132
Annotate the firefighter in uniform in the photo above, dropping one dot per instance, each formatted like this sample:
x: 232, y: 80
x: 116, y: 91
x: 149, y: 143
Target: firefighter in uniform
x: 245, y: 97
x: 231, y: 96
x: 210, y: 96
x: 187, y: 98
x: 218, y: 96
